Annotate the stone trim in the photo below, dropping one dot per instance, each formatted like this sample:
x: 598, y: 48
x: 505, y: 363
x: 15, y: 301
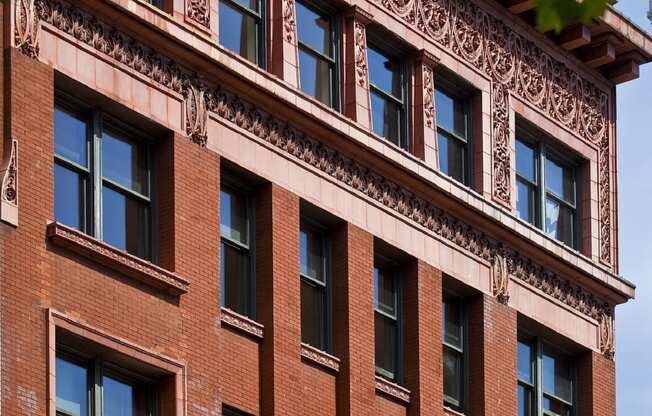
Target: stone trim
x: 393, y: 390
x: 115, y: 259
x: 241, y: 323
x: 9, y: 186
x: 320, y: 358
x: 452, y: 412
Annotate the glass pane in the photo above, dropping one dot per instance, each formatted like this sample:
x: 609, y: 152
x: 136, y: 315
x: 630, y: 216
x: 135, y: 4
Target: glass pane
x: 386, y: 338
x: 556, y: 407
x: 525, y: 362
x: 556, y: 377
x: 69, y: 197
x: 559, y: 221
x: 453, y: 375
x: 385, y: 115
x: 125, y: 223
x: 452, y: 323
x: 238, y: 31
x: 236, y: 282
x: 234, y: 216
x: 314, y: 30
x: 72, y: 388
x: 315, y: 76
x: 525, y: 201
x: 124, y: 162
x: 452, y: 157
x: 312, y: 254
x: 451, y: 113
x: 524, y: 401
x: 70, y: 137
x: 249, y: 4
x: 385, y: 291
x: 559, y: 180
x: 118, y: 398
x: 313, y: 318
x: 384, y: 73
x: 525, y: 161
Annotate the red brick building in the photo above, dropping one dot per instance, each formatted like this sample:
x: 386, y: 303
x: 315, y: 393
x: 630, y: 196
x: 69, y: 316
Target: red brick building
x: 281, y: 207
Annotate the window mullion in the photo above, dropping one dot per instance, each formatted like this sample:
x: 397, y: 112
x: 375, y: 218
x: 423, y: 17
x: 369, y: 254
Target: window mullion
x: 96, y: 174
x: 97, y: 389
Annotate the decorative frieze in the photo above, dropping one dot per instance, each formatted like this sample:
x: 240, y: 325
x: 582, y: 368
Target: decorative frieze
x: 199, y: 11
x: 320, y: 358
x: 9, y: 188
x: 241, y: 323
x: 26, y: 33
x: 392, y: 390
x: 518, y: 66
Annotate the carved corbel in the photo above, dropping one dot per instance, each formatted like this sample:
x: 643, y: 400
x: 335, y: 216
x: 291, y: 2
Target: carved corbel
x: 9, y: 197
x: 500, y: 276
x: 195, y: 111
x: 606, y: 335
x: 26, y: 24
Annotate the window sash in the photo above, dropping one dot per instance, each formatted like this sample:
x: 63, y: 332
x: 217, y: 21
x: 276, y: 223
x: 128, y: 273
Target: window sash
x: 248, y: 307
x: 449, y: 400
x: 253, y: 13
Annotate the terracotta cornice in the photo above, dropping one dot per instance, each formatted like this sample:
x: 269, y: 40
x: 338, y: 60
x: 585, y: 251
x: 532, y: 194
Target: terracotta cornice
x: 241, y: 323
x: 320, y: 358
x: 393, y: 390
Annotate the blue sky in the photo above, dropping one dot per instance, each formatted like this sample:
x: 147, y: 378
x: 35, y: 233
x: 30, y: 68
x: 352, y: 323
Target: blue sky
x: 634, y: 319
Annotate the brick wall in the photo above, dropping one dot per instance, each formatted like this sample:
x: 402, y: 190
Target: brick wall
x: 596, y: 377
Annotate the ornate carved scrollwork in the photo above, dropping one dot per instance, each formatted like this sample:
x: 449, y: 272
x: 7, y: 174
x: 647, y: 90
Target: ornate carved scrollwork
x: 289, y: 20
x: 195, y: 111
x: 26, y: 33
x: 199, y: 11
x: 500, y: 277
x: 360, y: 45
x: 606, y: 334
x: 428, y: 94
x: 501, y: 158
x: 9, y: 189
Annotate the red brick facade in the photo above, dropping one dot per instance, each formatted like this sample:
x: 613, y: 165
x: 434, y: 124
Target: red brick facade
x: 210, y: 113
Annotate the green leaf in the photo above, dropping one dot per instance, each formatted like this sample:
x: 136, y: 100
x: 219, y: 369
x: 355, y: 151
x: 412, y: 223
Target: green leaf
x: 558, y: 14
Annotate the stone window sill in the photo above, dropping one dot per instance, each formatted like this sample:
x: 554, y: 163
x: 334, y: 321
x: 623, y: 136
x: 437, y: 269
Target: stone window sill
x: 241, y: 323
x: 115, y: 259
x: 392, y: 390
x: 320, y: 358
x: 452, y: 412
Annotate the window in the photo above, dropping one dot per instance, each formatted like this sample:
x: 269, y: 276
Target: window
x: 89, y: 387
x: 230, y: 411
x: 314, y: 280
x: 545, y: 380
x: 387, y: 95
x: 157, y: 3
x: 236, y: 251
x: 102, y: 179
x: 317, y: 51
x: 453, y: 133
x: 241, y: 28
x: 546, y: 189
x: 454, y: 337
x: 387, y: 307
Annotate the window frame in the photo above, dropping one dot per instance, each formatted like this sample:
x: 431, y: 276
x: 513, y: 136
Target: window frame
x: 334, y: 36
x: 538, y: 346
x: 393, y: 267
x: 261, y: 25
x: 326, y: 284
x: 457, y: 91
x: 238, y: 187
x: 462, y: 404
x: 97, y: 121
x: 374, y: 42
x: 544, y: 150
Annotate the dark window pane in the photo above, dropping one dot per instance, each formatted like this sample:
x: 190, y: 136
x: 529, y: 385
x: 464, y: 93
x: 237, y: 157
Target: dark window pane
x: 124, y: 162
x: 557, y: 377
x: 453, y: 376
x: 313, y: 29
x: 69, y: 197
x: 525, y: 201
x: 70, y: 137
x: 524, y: 401
x: 559, y: 180
x: 315, y: 76
x: 525, y: 161
x: 312, y: 254
x: 559, y: 221
x: 72, y: 388
x: 385, y: 291
x: 386, y: 344
x: 451, y: 113
x: 118, y: 398
x: 525, y: 362
x: 157, y: 3
x: 249, y: 4
x: 452, y: 323
x: 234, y: 216
x: 238, y: 31
x: 452, y: 157
x: 384, y: 73
x: 125, y: 223
x: 385, y: 116
x: 556, y: 407
x: 313, y: 319
x: 236, y: 281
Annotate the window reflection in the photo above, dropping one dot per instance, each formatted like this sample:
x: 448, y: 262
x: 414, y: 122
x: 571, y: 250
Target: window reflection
x: 386, y: 305
x: 72, y: 393
x: 452, y: 134
x: 239, y: 29
x: 387, y: 96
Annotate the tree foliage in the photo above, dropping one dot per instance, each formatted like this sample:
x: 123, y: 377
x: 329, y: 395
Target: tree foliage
x: 558, y: 14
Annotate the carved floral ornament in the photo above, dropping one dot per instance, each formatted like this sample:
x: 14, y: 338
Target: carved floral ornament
x: 204, y: 97
x: 199, y: 11
x: 289, y: 20
x: 360, y: 45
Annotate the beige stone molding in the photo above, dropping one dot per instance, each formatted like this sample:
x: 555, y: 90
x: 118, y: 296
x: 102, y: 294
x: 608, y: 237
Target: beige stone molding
x: 9, y: 189
x: 241, y: 323
x: 320, y: 358
x: 393, y: 390
x: 116, y: 259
